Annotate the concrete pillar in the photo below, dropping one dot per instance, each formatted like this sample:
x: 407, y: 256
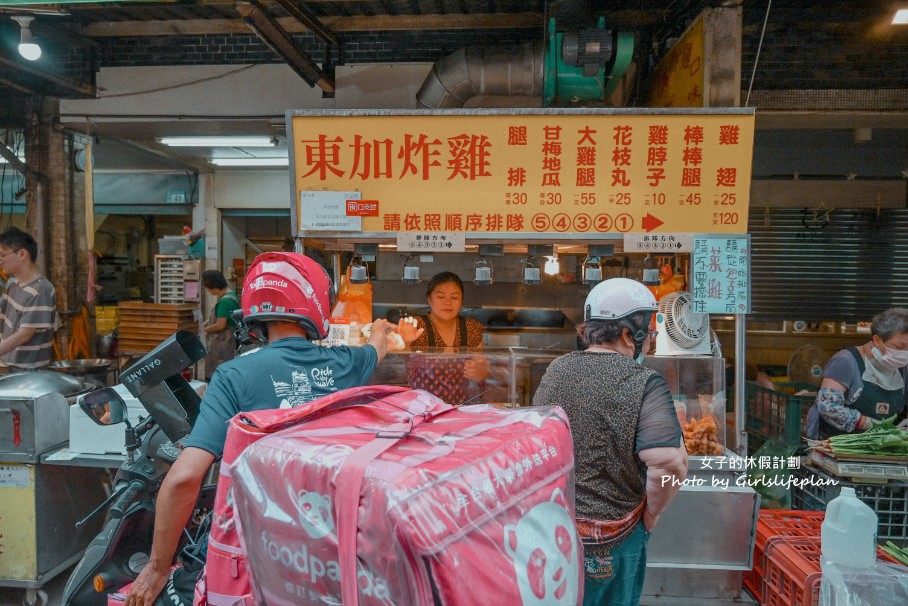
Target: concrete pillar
x: 55, y: 212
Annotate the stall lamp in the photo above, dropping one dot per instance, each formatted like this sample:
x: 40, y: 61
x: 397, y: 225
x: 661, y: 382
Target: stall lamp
x: 359, y: 272
x: 592, y: 271
x: 901, y: 17
x: 552, y: 267
x: 411, y: 272
x: 532, y: 275
x: 483, y: 275
x: 28, y: 48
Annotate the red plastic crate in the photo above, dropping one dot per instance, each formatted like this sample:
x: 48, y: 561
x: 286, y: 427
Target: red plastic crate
x: 786, y: 570
x: 773, y: 524
x: 792, y: 569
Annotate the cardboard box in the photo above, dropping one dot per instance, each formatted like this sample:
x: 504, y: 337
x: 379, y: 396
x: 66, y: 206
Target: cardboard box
x: 88, y: 437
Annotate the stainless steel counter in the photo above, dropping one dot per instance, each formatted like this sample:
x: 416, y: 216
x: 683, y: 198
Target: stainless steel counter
x: 705, y: 539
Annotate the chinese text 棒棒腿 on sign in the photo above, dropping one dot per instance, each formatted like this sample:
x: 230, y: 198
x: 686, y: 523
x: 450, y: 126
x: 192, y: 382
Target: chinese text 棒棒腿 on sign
x: 537, y: 173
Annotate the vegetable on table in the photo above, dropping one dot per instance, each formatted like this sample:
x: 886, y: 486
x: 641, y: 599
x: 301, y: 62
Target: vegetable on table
x: 899, y: 553
x: 884, y: 438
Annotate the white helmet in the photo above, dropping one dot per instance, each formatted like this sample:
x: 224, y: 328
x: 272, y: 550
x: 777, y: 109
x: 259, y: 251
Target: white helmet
x: 618, y: 298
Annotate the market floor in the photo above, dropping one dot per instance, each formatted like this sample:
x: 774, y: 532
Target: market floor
x: 13, y: 596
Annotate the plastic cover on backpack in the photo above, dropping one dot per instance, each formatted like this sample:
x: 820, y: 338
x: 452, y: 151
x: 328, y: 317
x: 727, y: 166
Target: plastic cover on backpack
x: 476, y: 503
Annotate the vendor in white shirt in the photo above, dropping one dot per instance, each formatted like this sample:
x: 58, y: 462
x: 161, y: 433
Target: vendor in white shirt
x: 865, y: 384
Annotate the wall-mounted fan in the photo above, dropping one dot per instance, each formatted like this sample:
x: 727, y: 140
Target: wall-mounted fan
x: 682, y: 331
x: 806, y: 364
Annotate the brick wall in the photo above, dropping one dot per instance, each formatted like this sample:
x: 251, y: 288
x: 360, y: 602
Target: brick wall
x: 361, y: 47
x: 799, y: 51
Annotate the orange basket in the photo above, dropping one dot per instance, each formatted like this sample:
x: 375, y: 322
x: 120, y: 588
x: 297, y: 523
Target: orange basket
x: 792, y: 571
x: 774, y: 525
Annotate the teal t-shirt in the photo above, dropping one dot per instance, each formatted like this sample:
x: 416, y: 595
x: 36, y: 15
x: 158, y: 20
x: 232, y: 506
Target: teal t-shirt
x: 283, y: 374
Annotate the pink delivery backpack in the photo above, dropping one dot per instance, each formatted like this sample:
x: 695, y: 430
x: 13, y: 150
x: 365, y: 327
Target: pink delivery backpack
x: 385, y: 495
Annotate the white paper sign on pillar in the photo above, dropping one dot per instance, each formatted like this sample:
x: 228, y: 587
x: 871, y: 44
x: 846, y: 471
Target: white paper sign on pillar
x: 327, y: 211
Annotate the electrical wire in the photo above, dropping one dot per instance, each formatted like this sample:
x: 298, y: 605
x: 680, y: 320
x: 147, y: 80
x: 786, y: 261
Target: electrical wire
x: 180, y: 85
x: 753, y: 73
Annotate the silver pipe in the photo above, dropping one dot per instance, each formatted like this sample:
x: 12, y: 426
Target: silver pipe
x: 740, y: 386
x: 336, y: 262
x: 507, y: 71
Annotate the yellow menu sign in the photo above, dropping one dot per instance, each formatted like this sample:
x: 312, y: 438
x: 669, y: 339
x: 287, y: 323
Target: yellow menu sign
x: 532, y: 172
x: 678, y: 79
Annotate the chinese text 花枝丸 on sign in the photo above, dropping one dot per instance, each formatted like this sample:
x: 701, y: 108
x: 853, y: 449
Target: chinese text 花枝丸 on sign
x: 535, y: 172
x: 721, y: 274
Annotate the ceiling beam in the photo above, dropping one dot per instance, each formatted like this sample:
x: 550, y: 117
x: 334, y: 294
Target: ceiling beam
x: 309, y: 20
x: 15, y: 86
x: 101, y: 29
x: 76, y: 87
x: 276, y: 37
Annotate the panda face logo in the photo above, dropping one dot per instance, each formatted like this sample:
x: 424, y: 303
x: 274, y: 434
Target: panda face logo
x: 546, y: 554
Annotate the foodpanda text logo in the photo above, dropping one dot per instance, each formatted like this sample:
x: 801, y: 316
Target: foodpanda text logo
x: 262, y: 282
x: 297, y: 557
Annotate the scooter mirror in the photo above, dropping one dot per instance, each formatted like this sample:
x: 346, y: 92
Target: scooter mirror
x: 104, y: 406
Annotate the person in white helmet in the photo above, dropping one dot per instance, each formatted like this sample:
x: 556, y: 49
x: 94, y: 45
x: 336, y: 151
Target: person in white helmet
x: 629, y: 456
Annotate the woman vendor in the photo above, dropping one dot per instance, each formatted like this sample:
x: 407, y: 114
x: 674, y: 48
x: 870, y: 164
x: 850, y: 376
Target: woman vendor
x: 452, y: 379
x: 863, y: 385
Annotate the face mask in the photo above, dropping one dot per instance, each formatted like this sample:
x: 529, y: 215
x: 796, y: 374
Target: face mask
x: 896, y: 358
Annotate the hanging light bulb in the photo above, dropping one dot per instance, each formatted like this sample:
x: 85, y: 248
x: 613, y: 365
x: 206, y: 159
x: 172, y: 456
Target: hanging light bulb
x: 483, y: 276
x: 28, y: 48
x: 552, y: 267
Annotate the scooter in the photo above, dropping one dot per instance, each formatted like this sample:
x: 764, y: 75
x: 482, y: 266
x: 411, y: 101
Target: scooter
x: 120, y: 551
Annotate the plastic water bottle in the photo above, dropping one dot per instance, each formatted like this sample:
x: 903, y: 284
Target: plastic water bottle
x: 848, y: 533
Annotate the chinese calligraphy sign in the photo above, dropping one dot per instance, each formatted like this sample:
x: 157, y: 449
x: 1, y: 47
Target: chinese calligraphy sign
x: 591, y: 172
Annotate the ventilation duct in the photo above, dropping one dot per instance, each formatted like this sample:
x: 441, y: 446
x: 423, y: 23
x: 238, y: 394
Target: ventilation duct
x: 494, y: 71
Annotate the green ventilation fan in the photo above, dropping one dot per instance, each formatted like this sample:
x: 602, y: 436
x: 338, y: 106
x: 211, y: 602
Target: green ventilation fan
x: 584, y: 65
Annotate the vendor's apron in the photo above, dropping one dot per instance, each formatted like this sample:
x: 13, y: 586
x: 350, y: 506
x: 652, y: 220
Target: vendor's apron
x: 874, y: 401
x: 440, y: 375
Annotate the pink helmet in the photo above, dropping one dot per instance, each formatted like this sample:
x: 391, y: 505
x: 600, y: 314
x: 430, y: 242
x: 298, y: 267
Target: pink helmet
x: 288, y: 286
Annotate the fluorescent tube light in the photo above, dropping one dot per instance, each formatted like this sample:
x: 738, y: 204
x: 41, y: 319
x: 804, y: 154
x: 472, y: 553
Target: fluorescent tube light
x: 250, y: 161
x: 218, y: 141
x: 901, y: 17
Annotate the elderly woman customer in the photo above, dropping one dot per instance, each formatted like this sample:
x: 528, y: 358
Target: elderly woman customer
x: 630, y: 459
x: 863, y: 385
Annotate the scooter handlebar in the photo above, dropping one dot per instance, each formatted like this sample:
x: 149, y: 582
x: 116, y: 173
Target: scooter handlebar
x: 127, y: 498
